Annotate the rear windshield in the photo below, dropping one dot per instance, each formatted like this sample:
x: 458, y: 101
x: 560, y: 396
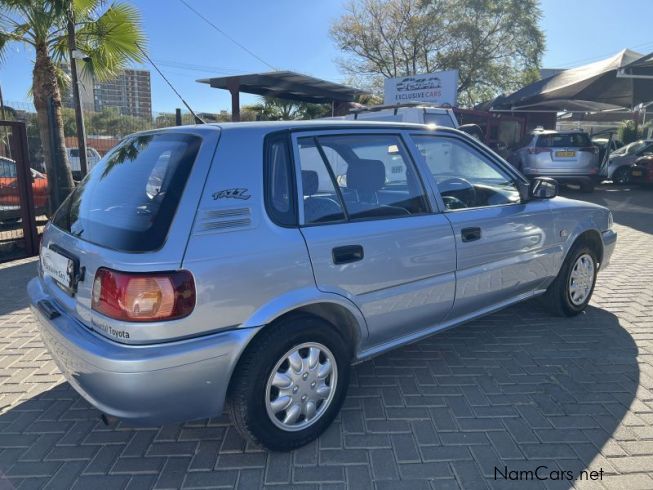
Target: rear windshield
x: 129, y: 199
x: 571, y: 140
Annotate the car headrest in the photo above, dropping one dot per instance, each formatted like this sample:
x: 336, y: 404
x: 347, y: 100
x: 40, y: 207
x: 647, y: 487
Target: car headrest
x: 366, y: 176
x: 310, y: 182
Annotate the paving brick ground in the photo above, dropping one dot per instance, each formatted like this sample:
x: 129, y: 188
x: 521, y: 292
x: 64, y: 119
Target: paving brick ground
x: 514, y: 391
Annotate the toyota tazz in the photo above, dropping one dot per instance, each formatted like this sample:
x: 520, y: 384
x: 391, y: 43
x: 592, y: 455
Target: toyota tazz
x: 248, y: 265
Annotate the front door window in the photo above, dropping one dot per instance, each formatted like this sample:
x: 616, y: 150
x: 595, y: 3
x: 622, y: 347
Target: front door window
x: 465, y: 178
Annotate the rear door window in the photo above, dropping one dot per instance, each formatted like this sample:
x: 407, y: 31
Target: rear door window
x: 358, y: 176
x: 129, y: 199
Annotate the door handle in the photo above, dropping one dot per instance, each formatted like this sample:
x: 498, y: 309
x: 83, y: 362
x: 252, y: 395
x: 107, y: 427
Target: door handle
x: 347, y: 254
x: 470, y: 234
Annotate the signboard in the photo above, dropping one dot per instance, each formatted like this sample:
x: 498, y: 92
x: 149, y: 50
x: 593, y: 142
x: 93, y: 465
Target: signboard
x: 437, y: 88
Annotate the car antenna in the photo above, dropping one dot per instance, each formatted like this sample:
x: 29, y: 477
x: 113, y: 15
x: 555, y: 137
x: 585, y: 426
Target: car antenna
x: 198, y: 120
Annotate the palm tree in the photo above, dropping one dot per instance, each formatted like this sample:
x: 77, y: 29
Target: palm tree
x: 108, y: 37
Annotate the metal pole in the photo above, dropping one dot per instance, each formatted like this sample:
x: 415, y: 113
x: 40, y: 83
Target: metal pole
x: 53, y: 151
x: 177, y: 116
x: 234, y: 88
x: 2, y: 105
x: 79, y: 115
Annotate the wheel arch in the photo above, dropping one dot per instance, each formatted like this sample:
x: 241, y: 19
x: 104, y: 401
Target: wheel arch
x: 334, y: 309
x: 592, y: 238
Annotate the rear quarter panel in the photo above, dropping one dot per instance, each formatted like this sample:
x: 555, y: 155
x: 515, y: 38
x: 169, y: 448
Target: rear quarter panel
x: 242, y: 261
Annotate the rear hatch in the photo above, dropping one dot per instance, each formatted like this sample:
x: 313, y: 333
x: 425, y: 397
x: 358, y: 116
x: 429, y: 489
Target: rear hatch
x: 132, y: 213
x: 566, y: 153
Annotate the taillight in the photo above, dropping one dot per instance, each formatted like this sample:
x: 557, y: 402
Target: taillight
x: 535, y: 150
x: 143, y: 297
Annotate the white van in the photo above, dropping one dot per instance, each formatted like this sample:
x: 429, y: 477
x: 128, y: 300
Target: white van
x: 419, y: 113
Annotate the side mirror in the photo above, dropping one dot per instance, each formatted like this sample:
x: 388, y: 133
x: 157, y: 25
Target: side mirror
x: 524, y: 190
x: 544, y: 188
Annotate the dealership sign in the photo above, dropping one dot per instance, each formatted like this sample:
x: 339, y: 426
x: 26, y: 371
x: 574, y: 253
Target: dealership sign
x: 437, y: 88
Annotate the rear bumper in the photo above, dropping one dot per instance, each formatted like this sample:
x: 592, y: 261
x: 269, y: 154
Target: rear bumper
x: 146, y: 384
x: 646, y: 176
x: 609, y: 238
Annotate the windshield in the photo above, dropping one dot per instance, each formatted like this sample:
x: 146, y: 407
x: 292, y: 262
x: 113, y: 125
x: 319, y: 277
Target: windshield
x: 129, y: 199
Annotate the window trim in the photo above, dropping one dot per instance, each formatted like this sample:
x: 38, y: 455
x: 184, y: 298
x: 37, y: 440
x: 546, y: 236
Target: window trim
x: 410, y: 160
x: 484, y: 154
x: 289, y: 219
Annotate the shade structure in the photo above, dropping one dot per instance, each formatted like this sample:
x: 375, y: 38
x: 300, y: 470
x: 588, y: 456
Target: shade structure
x: 286, y: 85
x: 640, y: 68
x: 572, y: 105
x: 595, y: 82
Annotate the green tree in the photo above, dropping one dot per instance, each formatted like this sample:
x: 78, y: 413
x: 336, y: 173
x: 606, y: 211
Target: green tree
x: 627, y: 132
x: 109, y: 37
x: 495, y: 44
x: 275, y: 109
x: 110, y: 122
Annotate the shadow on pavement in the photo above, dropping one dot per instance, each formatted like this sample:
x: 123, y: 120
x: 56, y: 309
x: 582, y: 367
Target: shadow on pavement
x: 515, y: 390
x: 13, y: 278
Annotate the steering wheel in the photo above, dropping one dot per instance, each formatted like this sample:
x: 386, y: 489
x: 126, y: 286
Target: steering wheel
x: 457, y: 193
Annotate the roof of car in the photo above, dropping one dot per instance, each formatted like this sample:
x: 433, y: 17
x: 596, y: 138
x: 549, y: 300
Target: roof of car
x: 309, y: 125
x: 317, y: 123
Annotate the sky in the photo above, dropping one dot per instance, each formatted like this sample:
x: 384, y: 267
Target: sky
x: 294, y: 35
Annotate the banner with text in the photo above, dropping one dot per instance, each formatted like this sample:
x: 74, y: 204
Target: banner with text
x: 437, y: 88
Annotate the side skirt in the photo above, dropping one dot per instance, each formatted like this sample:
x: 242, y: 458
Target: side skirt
x: 379, y: 349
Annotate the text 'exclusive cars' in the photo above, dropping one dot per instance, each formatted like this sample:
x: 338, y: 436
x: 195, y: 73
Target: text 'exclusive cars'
x: 249, y: 265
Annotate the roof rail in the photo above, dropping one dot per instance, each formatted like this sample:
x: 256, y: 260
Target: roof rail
x: 375, y: 108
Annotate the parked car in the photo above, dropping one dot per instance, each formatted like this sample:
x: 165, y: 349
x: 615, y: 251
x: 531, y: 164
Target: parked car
x: 641, y: 172
x: 409, y: 113
x: 602, y: 143
x: 255, y: 262
x: 567, y: 156
x: 9, y: 194
x: 92, y: 157
x: 618, y: 168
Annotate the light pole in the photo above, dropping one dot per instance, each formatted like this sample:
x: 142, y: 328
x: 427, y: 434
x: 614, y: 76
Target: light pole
x: 79, y: 115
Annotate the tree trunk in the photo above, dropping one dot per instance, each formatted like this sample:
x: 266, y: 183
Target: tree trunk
x: 44, y: 89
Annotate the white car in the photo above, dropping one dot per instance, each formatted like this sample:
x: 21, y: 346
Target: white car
x: 92, y: 157
x: 618, y: 168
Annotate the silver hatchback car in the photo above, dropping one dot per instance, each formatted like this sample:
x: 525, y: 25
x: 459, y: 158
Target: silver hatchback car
x: 249, y: 265
x: 567, y: 156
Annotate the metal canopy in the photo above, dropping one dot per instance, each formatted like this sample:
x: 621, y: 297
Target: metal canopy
x: 641, y: 68
x: 571, y: 105
x: 286, y: 85
x: 596, y: 82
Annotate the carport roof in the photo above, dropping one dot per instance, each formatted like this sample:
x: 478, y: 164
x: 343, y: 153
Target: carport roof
x: 287, y: 85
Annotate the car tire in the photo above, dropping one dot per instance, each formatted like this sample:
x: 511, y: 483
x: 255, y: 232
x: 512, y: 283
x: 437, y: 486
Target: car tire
x: 621, y: 176
x: 269, y: 362
x: 571, y: 291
